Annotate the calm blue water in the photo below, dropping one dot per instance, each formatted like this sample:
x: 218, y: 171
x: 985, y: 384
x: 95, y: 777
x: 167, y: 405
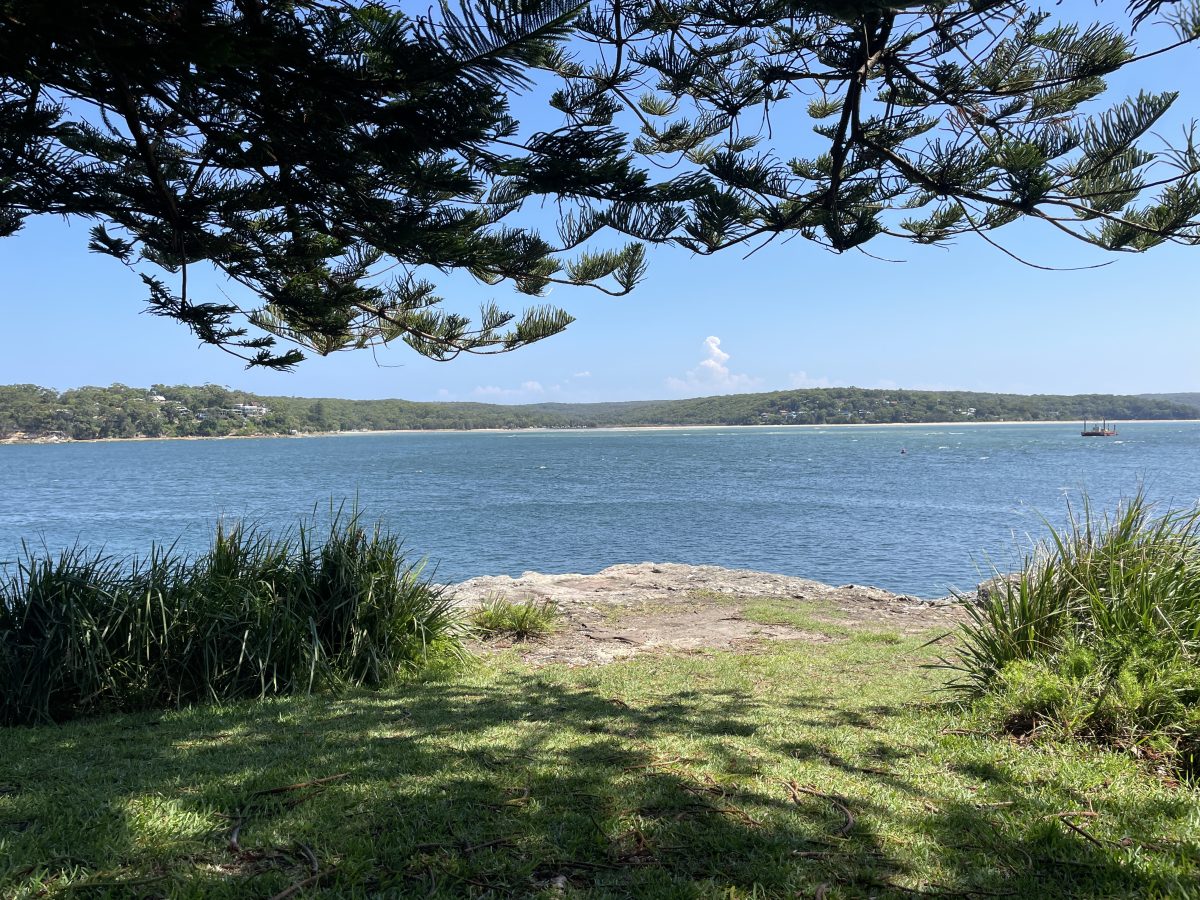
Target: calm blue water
x: 838, y: 504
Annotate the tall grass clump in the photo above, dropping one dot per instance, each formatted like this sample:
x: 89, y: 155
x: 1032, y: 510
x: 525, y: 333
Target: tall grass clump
x: 521, y: 621
x: 256, y: 615
x: 1098, y: 635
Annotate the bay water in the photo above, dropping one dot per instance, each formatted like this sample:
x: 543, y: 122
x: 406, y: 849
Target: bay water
x: 915, y: 509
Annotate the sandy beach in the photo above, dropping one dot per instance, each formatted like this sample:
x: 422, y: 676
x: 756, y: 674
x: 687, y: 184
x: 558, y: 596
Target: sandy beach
x: 12, y: 440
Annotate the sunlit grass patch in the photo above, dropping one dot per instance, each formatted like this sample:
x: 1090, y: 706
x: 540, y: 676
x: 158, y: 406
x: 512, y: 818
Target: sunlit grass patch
x: 874, y: 636
x: 807, y: 615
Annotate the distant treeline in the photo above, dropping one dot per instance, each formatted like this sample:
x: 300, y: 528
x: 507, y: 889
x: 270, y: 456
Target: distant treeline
x: 1192, y: 399
x: 31, y: 412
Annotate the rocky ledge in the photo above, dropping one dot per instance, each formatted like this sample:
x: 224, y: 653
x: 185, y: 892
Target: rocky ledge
x: 627, y: 609
x: 641, y: 582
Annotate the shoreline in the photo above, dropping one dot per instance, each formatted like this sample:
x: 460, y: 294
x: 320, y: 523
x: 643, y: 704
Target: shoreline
x: 23, y: 441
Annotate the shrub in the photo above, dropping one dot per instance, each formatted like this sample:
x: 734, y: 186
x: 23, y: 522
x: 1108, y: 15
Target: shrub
x: 1099, y: 634
x: 501, y: 617
x: 85, y: 633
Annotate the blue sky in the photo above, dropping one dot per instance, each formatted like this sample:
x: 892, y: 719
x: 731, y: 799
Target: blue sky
x: 792, y: 315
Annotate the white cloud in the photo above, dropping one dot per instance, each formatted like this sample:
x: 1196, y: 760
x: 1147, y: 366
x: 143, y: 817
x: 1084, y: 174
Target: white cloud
x: 712, y: 373
x: 527, y: 390
x: 804, y: 380
x: 584, y: 374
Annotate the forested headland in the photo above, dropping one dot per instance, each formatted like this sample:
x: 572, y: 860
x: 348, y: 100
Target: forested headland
x: 1188, y: 399
x: 29, y: 412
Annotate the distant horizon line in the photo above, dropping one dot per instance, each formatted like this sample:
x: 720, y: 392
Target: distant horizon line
x: 1165, y: 395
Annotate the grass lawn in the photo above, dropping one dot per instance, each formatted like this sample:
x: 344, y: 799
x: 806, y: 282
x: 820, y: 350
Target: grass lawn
x: 794, y: 770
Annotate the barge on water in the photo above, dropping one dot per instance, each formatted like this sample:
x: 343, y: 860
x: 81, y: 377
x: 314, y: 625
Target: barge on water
x: 1094, y: 431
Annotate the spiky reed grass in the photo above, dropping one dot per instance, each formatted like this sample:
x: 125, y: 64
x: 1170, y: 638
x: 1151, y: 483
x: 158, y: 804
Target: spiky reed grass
x: 501, y: 617
x: 83, y: 632
x: 1098, y: 635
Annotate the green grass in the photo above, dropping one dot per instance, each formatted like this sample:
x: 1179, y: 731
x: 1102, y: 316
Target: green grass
x: 807, y: 615
x: 519, y: 620
x: 815, y: 617
x: 798, y: 770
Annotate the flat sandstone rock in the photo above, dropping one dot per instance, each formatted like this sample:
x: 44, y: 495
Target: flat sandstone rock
x: 635, y: 608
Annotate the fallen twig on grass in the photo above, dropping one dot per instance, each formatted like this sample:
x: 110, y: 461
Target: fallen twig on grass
x: 796, y: 790
x: 308, y: 854
x: 1064, y: 818
x: 1082, y: 863
x: 870, y: 770
x: 300, y: 785
x: 654, y: 764
x: 300, y: 885
x: 243, y: 815
x: 942, y: 891
x: 612, y: 866
x: 467, y: 849
x: 710, y: 786
x: 132, y: 882
x: 971, y: 892
x: 741, y: 815
x: 1081, y: 832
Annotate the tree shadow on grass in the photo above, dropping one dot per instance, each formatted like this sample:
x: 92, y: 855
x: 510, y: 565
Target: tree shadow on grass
x: 515, y: 788
x: 525, y: 787
x: 1000, y: 831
